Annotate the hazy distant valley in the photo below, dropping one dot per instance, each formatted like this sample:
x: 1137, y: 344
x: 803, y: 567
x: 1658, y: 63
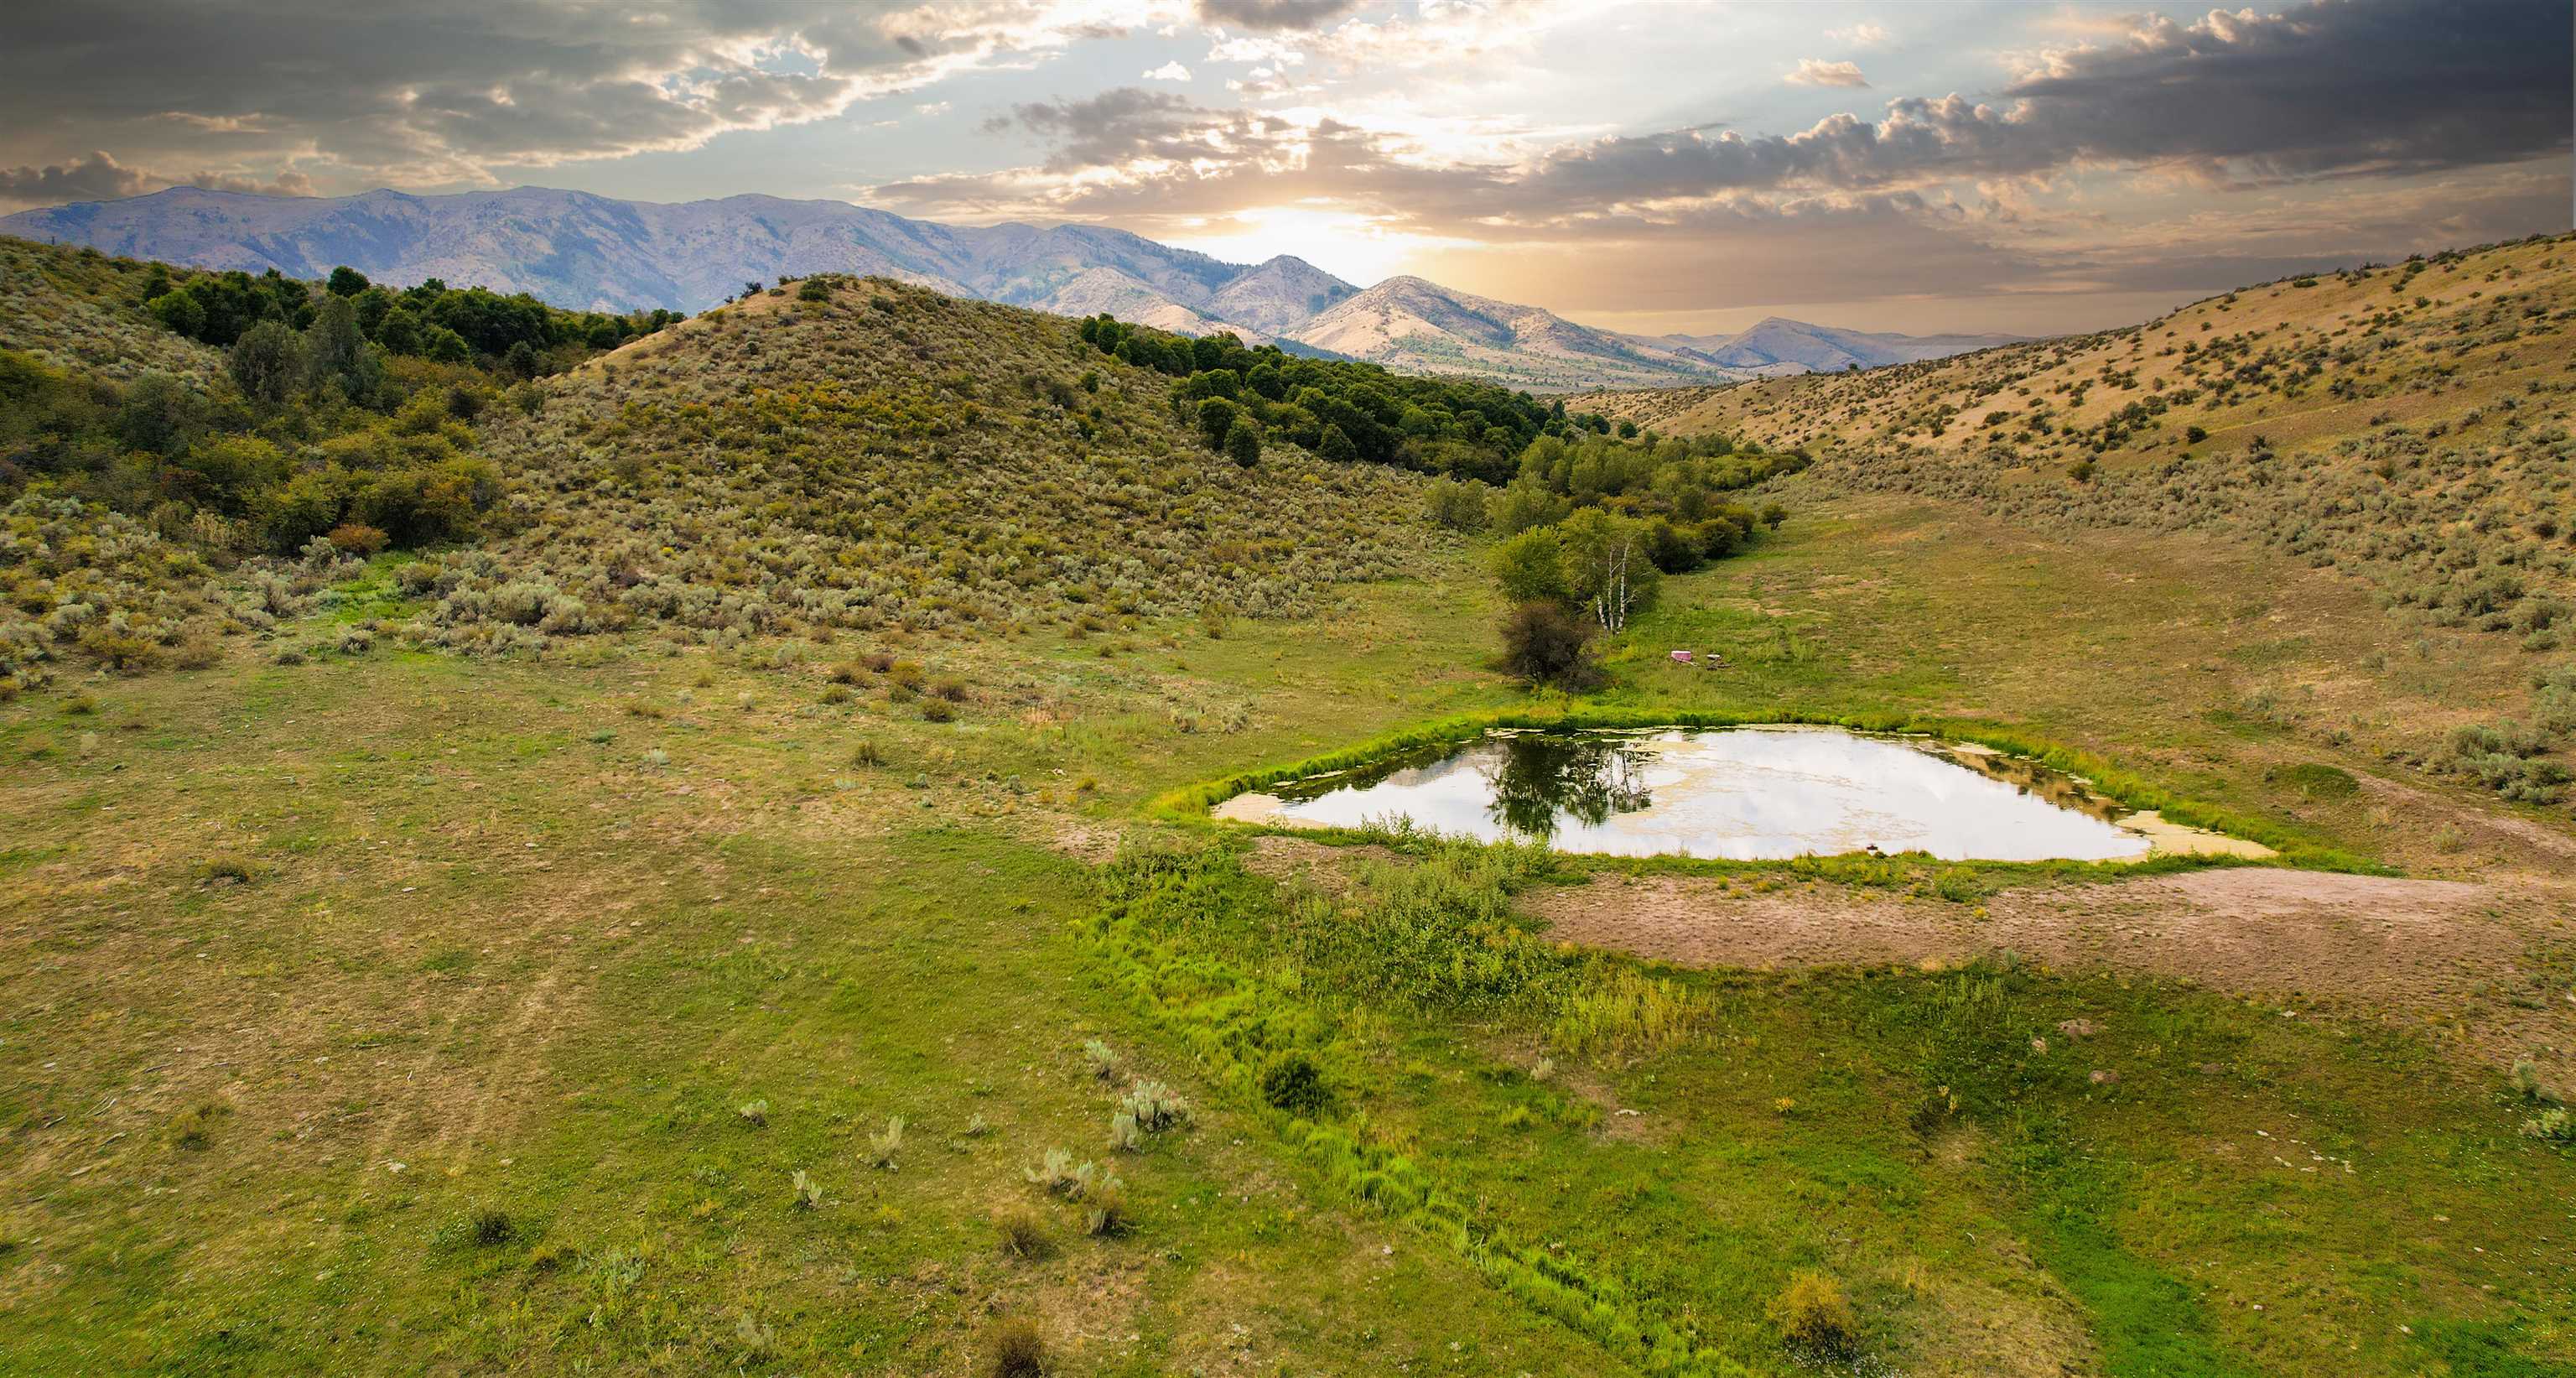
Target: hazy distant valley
x: 587, y: 252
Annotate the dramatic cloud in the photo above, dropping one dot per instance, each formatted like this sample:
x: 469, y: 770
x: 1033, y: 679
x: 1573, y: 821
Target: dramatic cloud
x: 2335, y: 88
x: 2328, y: 118
x: 1569, y: 150
x: 99, y: 177
x: 449, y: 90
x: 1816, y: 72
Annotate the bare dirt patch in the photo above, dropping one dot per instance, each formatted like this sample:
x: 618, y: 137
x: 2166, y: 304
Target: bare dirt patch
x: 2412, y: 951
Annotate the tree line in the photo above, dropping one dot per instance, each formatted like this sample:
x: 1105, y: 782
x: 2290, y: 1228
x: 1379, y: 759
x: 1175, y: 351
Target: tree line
x: 342, y: 412
x: 1591, y: 513
x: 516, y: 335
x: 1243, y: 398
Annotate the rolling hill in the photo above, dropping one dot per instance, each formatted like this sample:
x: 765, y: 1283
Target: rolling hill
x: 2408, y: 424
x: 724, y: 910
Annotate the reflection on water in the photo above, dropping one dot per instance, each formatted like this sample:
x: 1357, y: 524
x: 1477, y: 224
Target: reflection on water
x: 1537, y: 778
x: 1742, y: 793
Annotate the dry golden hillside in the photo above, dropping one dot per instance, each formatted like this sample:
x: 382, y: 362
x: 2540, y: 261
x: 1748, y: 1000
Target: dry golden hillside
x: 2405, y: 345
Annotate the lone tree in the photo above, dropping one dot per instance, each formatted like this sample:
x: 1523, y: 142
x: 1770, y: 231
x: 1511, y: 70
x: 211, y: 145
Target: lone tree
x: 1243, y: 441
x: 337, y: 354
x: 1216, y: 418
x: 267, y: 363
x: 1545, y: 644
x: 1336, y: 446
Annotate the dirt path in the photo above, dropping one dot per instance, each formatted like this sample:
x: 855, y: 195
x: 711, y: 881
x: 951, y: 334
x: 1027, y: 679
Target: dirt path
x: 2449, y: 953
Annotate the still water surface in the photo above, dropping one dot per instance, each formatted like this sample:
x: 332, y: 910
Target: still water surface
x: 1746, y: 793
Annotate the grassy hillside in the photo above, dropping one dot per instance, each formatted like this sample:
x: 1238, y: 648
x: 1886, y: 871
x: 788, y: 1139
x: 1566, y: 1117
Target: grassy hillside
x: 886, y: 457
x: 377, y: 1007
x: 2407, y: 425
x: 83, y: 310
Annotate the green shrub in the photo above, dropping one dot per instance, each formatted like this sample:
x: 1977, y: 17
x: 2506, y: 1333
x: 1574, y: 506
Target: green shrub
x: 2319, y: 781
x: 491, y: 1227
x: 1292, y: 1082
x: 1016, y: 1349
x: 1543, y: 644
x: 1815, y: 1319
x: 194, y: 1127
x: 227, y: 870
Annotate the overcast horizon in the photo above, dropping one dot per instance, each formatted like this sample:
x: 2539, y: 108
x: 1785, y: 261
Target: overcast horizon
x: 1648, y: 167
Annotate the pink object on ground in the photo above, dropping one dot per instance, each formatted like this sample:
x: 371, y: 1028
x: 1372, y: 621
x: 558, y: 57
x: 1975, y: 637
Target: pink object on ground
x: 1682, y: 656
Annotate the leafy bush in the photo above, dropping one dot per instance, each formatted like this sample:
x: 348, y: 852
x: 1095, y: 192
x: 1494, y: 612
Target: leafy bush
x: 1458, y: 504
x: 1104, y: 1207
x: 1292, y: 1082
x: 1815, y: 1318
x: 491, y: 1228
x: 1545, y: 644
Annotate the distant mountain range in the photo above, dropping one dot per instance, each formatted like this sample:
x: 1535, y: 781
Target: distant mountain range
x: 1775, y: 345
x: 591, y: 252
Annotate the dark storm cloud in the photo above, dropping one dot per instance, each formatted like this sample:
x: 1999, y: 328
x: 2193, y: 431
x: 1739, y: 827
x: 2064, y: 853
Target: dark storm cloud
x: 1275, y: 15
x: 2403, y: 85
x: 97, y: 177
x: 2336, y: 87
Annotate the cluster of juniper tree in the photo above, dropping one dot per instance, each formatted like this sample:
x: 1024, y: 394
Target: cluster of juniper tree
x: 1593, y: 514
x: 516, y: 335
x: 1243, y: 397
x: 341, y: 409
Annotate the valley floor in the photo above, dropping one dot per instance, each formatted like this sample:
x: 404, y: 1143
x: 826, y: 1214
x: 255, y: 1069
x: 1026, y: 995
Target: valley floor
x: 403, y: 1012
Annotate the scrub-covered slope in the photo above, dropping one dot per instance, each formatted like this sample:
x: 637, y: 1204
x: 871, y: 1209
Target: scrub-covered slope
x: 880, y: 454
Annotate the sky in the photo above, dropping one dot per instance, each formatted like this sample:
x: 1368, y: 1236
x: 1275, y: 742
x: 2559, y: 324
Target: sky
x: 1647, y: 165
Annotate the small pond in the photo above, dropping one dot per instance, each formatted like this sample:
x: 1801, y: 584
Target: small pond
x: 1744, y: 793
